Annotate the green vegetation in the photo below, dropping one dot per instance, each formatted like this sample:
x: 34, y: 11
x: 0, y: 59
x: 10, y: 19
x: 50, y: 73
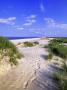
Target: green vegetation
x: 30, y: 44
x: 36, y: 43
x: 61, y: 78
x: 60, y: 40
x: 56, y: 47
x: 46, y: 46
x: 50, y: 55
x: 7, y: 48
x: 64, y: 66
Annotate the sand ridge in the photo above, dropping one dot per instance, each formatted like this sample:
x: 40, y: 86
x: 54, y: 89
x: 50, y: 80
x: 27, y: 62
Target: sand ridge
x: 33, y: 72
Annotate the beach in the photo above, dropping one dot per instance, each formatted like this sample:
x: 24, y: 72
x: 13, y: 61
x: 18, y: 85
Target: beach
x: 16, y: 41
x: 34, y: 71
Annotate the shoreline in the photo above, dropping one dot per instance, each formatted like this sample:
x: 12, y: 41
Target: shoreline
x: 16, y: 41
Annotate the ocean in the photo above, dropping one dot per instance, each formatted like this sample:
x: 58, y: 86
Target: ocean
x: 13, y: 38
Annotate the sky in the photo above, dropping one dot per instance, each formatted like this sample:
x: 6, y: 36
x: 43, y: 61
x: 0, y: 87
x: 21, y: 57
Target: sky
x: 33, y: 18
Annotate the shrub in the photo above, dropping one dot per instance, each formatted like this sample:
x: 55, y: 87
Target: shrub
x: 13, y: 61
x: 50, y: 56
x: 9, y: 49
x: 64, y: 66
x: 58, y: 49
x: 28, y: 44
x: 61, y: 78
x: 46, y: 46
x: 36, y: 43
x: 60, y: 40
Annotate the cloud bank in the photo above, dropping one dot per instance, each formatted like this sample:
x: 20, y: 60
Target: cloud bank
x: 10, y: 20
x: 30, y: 20
x: 52, y: 23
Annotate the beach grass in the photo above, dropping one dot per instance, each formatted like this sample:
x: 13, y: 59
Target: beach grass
x: 36, y: 43
x: 60, y: 40
x: 30, y: 44
x: 50, y: 56
x: 7, y: 48
x: 57, y: 48
x: 61, y: 78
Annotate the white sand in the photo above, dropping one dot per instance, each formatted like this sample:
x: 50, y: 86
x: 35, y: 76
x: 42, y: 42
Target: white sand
x: 23, y: 40
x: 34, y: 72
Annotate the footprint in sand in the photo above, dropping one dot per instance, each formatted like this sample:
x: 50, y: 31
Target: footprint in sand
x: 25, y: 85
x: 38, y: 65
x: 32, y: 79
x: 35, y: 72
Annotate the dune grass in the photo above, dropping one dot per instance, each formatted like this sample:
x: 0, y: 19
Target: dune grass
x: 57, y: 48
x: 7, y: 48
x: 61, y: 78
x: 60, y: 40
x: 50, y: 56
x: 35, y: 43
x: 30, y: 44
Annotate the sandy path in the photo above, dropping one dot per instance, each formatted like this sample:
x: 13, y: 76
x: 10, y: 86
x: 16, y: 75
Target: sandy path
x: 34, y: 72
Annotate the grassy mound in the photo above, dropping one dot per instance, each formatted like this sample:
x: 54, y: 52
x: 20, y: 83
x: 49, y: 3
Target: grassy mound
x: 7, y: 48
x: 61, y: 78
x: 36, y: 43
x: 50, y: 56
x: 30, y: 44
x: 57, y: 48
x: 60, y: 40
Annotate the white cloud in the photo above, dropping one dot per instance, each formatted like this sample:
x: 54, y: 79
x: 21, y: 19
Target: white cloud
x: 33, y: 20
x: 42, y: 7
x: 31, y: 16
x: 30, y: 20
x: 10, y: 20
x: 52, y: 23
x: 27, y: 24
x: 20, y: 28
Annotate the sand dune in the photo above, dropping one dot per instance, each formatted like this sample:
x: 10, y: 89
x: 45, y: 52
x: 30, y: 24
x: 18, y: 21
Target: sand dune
x: 34, y: 71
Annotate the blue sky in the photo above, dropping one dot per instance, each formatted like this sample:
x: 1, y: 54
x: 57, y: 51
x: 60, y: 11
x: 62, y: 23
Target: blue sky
x: 29, y: 18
